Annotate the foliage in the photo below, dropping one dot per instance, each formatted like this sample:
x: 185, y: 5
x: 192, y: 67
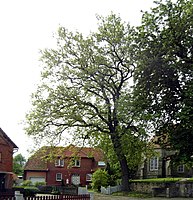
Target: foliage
x: 99, y: 178
x: 18, y: 164
x: 36, y: 184
x: 86, y: 90
x: 134, y: 150
x: 30, y: 191
x: 27, y: 183
x: 164, y: 76
x: 27, y: 190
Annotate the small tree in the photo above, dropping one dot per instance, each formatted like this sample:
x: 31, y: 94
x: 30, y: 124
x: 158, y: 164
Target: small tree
x: 18, y: 164
x: 100, y: 178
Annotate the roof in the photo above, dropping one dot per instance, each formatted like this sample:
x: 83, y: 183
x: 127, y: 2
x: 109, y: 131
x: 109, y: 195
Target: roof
x: 38, y: 161
x: 5, y: 136
x: 160, y: 141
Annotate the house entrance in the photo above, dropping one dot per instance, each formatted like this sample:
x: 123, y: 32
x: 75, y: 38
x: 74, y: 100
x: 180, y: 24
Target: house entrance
x: 2, y: 182
x: 75, y: 179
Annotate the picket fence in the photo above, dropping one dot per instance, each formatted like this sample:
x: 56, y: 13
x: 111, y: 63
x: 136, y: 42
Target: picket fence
x: 60, y: 197
x: 110, y: 189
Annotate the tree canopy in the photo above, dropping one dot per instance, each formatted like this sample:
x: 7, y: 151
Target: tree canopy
x: 18, y: 164
x: 87, y: 89
x: 164, y: 77
x: 110, y: 86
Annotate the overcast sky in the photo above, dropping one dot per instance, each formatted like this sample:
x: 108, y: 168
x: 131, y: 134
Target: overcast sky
x: 28, y: 26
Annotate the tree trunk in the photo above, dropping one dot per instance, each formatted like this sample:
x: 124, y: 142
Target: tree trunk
x: 125, y: 173
x: 123, y: 162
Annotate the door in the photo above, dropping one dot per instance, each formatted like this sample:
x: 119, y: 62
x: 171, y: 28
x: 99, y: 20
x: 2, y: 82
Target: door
x: 75, y: 179
x: 2, y: 182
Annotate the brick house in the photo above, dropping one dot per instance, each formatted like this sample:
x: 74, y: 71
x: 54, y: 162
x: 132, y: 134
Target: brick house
x: 64, y: 165
x: 7, y: 148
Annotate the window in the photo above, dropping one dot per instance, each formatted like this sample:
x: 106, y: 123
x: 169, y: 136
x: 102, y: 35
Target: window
x: 76, y: 163
x: 101, y: 163
x: 153, y: 163
x: 180, y: 168
x: 89, y: 177
x: 0, y: 157
x: 58, y: 177
x: 59, y: 162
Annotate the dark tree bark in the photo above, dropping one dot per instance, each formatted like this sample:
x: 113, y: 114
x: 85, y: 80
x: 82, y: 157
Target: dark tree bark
x: 122, y: 161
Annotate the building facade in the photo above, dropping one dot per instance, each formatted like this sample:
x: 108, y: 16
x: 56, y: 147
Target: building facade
x: 7, y: 148
x: 160, y: 165
x: 64, y: 165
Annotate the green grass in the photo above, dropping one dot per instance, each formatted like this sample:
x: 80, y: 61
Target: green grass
x: 190, y: 180
x: 157, y: 180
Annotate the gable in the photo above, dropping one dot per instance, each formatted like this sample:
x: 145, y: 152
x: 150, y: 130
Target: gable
x: 38, y: 161
x: 5, y: 140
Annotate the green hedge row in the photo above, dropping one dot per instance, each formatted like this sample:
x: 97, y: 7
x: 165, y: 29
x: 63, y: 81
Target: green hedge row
x: 27, y: 190
x: 159, y: 180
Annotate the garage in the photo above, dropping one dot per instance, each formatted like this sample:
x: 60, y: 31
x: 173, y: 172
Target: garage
x: 37, y: 179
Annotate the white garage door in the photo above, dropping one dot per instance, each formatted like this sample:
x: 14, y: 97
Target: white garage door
x: 37, y: 179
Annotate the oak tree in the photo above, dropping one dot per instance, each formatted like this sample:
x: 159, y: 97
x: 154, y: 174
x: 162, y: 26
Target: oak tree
x: 87, y: 88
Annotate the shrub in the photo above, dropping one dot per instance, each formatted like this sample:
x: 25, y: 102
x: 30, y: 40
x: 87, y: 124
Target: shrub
x: 27, y: 183
x: 100, y: 178
x: 36, y: 184
x: 30, y: 191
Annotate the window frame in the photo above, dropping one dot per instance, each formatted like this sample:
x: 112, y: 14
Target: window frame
x: 154, y: 163
x: 75, y: 163
x: 90, y: 177
x: 59, y: 162
x: 101, y: 163
x: 57, y: 178
x: 180, y: 168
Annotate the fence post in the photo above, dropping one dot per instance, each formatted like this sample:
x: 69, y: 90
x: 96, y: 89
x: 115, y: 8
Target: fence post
x: 18, y: 195
x: 109, y: 189
x: 91, y: 195
x: 167, y: 192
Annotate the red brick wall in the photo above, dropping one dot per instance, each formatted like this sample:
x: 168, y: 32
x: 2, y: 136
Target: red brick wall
x: 85, y: 168
x: 6, y: 151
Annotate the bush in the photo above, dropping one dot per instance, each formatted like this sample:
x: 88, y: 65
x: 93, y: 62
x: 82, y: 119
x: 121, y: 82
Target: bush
x: 37, y: 184
x: 19, y: 188
x: 100, y: 178
x: 30, y: 191
x: 27, y: 183
x: 27, y: 190
x: 45, y: 189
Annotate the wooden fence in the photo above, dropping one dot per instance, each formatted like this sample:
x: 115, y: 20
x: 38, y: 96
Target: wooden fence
x: 7, y: 198
x: 60, y: 197
x: 8, y: 195
x: 54, y: 197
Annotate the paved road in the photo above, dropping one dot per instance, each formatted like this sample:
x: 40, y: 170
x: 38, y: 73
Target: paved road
x: 98, y: 196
